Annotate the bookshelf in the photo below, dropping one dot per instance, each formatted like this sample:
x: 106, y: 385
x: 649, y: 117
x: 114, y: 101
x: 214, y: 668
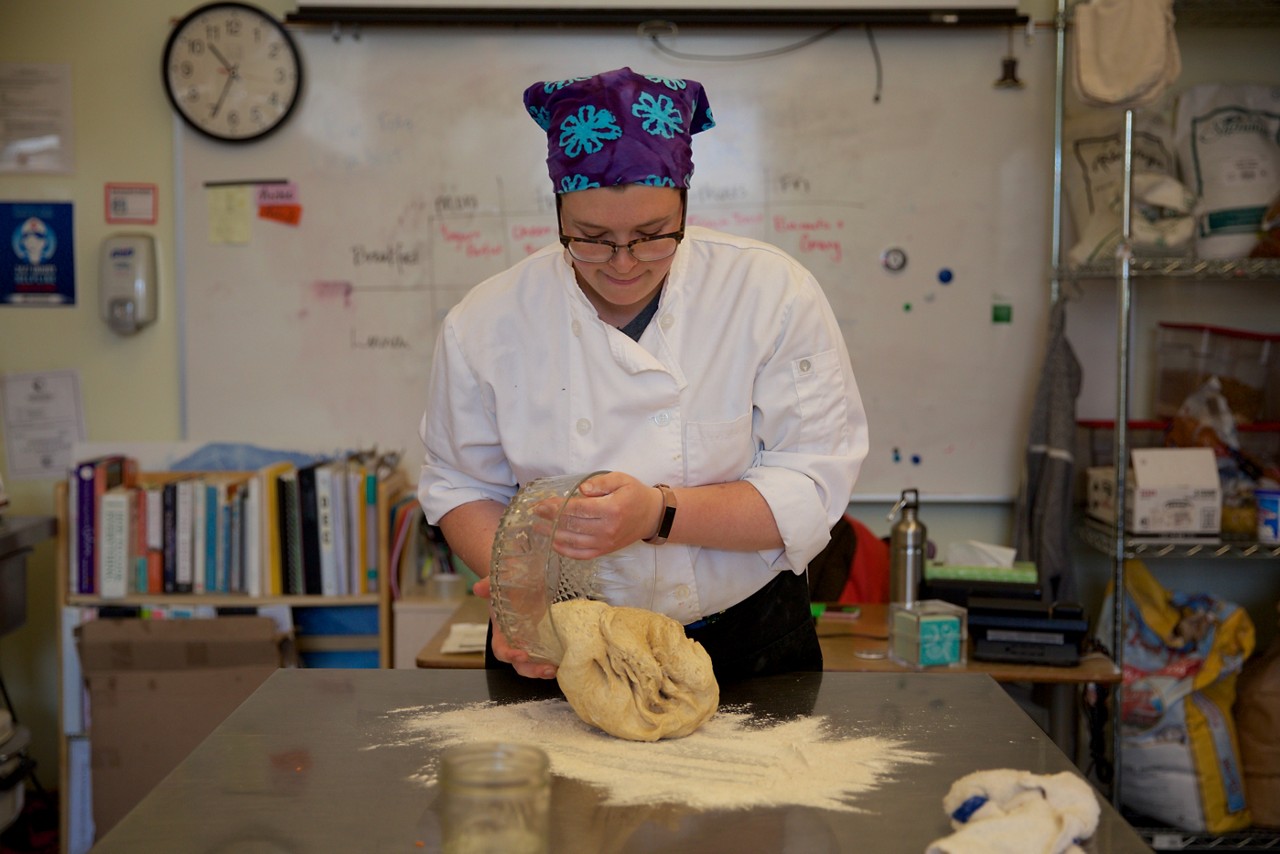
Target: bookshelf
x: 344, y: 630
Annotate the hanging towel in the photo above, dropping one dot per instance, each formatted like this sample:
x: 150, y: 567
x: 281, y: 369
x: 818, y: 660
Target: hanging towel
x: 1005, y: 811
x: 1042, y: 523
x: 1126, y: 53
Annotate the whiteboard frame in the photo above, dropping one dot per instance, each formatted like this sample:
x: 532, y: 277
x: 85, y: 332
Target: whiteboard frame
x: 737, y: 13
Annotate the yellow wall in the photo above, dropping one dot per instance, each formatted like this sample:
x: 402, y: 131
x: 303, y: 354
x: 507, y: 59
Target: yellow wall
x: 123, y: 132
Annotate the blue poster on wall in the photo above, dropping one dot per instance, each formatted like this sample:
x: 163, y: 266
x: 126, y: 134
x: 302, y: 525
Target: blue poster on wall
x: 37, y: 254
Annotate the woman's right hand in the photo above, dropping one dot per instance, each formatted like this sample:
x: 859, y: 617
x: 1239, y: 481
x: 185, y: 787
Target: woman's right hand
x: 520, y: 659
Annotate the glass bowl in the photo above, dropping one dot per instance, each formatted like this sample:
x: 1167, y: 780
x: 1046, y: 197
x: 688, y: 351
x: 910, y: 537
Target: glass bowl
x: 527, y: 576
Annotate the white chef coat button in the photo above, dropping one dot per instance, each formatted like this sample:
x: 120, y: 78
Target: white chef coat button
x: 681, y: 592
x: 805, y: 365
x: 584, y: 426
x: 576, y: 326
x: 666, y: 321
x: 662, y: 419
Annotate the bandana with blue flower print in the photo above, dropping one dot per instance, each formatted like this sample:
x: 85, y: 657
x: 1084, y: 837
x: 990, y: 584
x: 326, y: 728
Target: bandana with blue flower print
x: 619, y: 127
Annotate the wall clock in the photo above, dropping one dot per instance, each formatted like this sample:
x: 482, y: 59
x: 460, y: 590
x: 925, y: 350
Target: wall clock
x: 232, y: 71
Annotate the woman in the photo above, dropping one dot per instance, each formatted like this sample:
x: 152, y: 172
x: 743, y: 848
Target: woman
x: 705, y: 372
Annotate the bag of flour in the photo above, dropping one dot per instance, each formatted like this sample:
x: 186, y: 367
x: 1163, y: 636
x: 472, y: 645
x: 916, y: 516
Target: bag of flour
x: 1228, y: 143
x: 1180, y: 753
x: 1093, y: 171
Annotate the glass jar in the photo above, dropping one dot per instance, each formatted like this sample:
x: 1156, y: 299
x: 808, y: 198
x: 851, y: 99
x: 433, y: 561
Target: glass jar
x: 495, y: 797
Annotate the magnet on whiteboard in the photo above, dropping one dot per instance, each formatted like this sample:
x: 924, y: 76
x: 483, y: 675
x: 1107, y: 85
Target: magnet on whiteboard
x: 893, y: 259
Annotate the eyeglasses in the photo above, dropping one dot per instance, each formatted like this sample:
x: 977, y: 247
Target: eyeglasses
x: 591, y: 250
x: 594, y: 251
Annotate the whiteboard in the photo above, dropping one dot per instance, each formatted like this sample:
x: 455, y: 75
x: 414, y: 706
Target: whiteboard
x: 419, y: 174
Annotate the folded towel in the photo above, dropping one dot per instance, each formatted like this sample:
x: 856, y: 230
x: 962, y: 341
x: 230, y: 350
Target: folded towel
x: 1004, y: 811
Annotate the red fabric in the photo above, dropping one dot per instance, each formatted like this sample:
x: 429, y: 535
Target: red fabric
x: 869, y: 575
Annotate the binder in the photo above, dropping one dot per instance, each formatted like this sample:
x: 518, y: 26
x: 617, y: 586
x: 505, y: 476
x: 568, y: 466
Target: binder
x: 290, y: 524
x: 272, y: 532
x: 309, y: 529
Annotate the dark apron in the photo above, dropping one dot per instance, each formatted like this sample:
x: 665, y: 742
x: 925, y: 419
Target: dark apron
x: 771, y: 631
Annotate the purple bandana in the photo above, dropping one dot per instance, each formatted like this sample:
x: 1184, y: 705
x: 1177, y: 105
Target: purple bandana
x: 619, y: 127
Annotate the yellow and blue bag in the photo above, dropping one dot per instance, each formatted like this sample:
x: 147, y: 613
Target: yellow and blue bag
x: 1180, y: 754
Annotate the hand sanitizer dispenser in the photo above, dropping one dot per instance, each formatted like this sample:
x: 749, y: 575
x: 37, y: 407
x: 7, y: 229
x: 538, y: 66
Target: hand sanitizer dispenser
x: 127, y: 282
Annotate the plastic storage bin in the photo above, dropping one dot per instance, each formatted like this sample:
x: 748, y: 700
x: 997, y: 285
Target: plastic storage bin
x: 1188, y: 354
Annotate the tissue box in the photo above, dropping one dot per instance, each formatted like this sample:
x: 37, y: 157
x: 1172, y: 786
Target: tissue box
x: 928, y: 633
x: 1169, y: 491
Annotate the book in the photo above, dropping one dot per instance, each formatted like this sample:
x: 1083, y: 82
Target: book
x: 235, y: 544
x: 92, y: 479
x: 309, y: 528
x: 212, y: 537
x: 272, y: 545
x: 184, y: 529
x: 357, y: 532
x: 138, y: 551
x: 326, y: 528
x: 341, y: 536
x: 169, y: 536
x: 251, y: 522
x: 154, y: 499
x: 220, y: 492
x: 114, y: 542
x: 226, y: 541
x: 290, y: 522
x: 199, y: 534
x: 370, y: 561
x: 172, y: 539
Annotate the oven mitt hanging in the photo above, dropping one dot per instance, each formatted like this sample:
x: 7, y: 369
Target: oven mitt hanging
x: 1006, y: 811
x: 1126, y: 53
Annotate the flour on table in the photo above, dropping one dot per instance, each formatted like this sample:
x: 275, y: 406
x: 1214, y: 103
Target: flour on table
x: 734, y: 761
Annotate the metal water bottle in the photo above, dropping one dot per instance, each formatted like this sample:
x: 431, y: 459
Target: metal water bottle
x: 906, y: 549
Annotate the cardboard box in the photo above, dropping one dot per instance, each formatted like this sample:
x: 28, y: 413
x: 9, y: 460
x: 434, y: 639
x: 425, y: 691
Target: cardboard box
x: 156, y: 689
x: 1168, y: 491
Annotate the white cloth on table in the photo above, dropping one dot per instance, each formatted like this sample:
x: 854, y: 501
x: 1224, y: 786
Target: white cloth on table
x: 1005, y: 811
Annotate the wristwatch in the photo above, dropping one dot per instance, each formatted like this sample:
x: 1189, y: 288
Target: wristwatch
x: 668, y: 516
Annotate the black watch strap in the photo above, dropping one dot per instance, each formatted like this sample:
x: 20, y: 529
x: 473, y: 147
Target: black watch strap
x: 668, y: 516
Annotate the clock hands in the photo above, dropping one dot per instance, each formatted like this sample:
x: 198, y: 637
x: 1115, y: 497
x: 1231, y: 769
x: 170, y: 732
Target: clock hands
x: 232, y: 74
x: 222, y: 96
x: 231, y: 69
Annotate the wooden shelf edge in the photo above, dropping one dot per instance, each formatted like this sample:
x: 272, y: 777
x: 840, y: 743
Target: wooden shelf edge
x: 223, y: 601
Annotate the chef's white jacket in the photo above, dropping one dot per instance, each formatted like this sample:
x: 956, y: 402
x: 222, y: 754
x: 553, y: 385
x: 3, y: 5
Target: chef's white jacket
x: 742, y: 374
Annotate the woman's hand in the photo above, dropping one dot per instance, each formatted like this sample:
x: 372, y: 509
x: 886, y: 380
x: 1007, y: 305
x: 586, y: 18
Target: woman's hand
x: 524, y: 664
x: 610, y: 512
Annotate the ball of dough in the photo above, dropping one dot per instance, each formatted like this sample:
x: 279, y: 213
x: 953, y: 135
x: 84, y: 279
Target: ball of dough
x: 632, y: 672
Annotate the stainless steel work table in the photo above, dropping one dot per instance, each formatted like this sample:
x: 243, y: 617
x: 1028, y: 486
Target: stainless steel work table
x: 298, y: 768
